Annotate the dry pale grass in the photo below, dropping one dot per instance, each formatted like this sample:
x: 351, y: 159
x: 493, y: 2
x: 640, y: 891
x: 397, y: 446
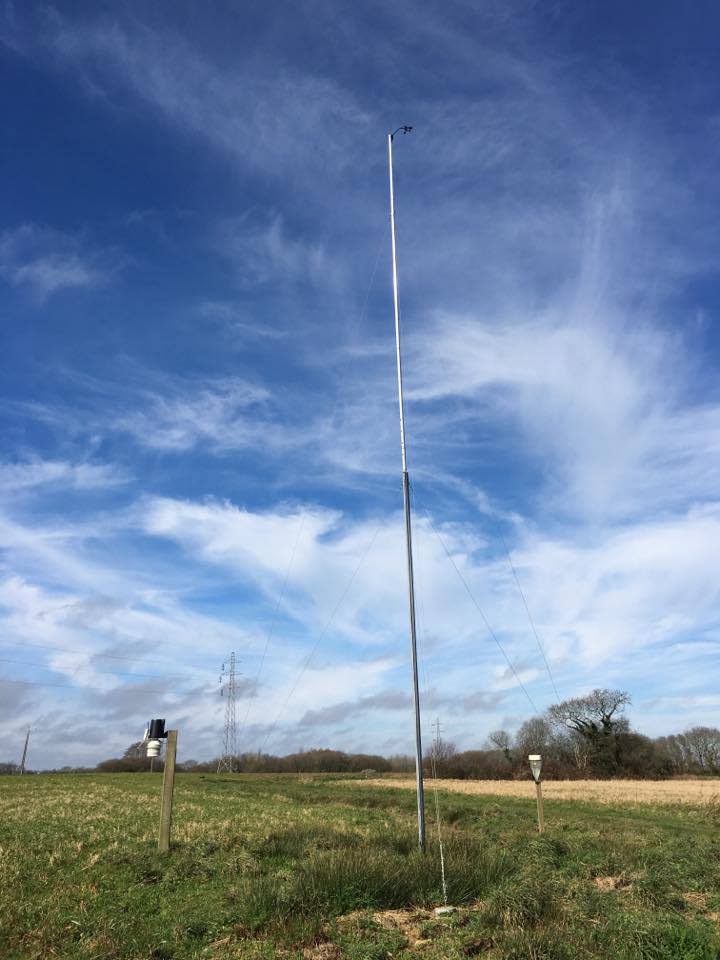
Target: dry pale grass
x: 696, y: 792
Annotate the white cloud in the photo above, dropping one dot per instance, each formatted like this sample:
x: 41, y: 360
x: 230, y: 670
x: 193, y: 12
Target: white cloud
x: 328, y: 554
x: 225, y: 413
x: 236, y: 321
x: 58, y: 474
x: 545, y: 236
x: 89, y: 624
x: 169, y: 414
x: 622, y: 591
x: 118, y: 657
x: 599, y: 411
x: 262, y: 250
x: 604, y: 606
x: 255, y: 109
x: 44, y: 261
x: 355, y: 436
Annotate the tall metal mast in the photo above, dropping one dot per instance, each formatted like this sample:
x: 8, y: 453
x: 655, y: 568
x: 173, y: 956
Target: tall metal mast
x: 406, y: 502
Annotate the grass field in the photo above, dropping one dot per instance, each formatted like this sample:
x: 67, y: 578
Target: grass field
x: 695, y: 791
x: 320, y: 870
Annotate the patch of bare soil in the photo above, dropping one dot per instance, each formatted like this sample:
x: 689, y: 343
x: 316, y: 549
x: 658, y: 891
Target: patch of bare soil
x: 606, y: 884
x: 698, y: 901
x: 322, y: 951
x: 408, y: 922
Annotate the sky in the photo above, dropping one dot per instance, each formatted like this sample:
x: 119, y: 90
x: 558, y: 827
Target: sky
x: 198, y: 410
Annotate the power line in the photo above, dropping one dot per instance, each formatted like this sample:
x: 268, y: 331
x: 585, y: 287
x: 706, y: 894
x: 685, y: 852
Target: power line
x: 114, y: 673
x: 87, y: 653
x: 381, y: 244
x: 530, y: 619
x: 271, y: 631
x: 321, y: 636
x: 81, y: 688
x: 479, y: 609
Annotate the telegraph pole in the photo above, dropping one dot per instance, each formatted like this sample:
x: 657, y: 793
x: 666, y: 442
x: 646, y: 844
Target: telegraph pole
x: 228, y: 690
x: 406, y: 503
x: 24, y: 753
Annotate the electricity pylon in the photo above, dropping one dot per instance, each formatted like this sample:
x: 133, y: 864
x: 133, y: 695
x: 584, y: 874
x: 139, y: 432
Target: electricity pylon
x: 228, y: 689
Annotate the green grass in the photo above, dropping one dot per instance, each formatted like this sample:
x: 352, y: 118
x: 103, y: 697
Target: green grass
x: 278, y: 867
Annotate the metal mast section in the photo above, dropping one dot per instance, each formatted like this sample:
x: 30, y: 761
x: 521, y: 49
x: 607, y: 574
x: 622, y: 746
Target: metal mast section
x: 228, y: 761
x: 406, y: 502
x: 24, y: 753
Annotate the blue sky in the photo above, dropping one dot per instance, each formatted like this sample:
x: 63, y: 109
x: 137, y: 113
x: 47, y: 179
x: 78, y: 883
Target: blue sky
x: 200, y: 440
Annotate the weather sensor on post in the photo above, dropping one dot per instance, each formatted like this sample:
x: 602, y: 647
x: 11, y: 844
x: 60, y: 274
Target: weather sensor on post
x: 535, y: 761
x: 535, y: 766
x: 154, y: 733
x: 153, y: 736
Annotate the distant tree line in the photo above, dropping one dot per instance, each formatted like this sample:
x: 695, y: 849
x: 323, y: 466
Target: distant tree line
x: 581, y: 737
x: 308, y: 761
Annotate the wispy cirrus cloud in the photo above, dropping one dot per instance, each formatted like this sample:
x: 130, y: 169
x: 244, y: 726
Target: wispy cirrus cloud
x: 355, y: 436
x: 252, y: 109
x: 633, y: 589
x: 605, y: 416
x: 224, y: 414
x: 30, y: 474
x: 44, y: 261
x: 262, y: 250
x: 165, y: 413
x: 237, y: 322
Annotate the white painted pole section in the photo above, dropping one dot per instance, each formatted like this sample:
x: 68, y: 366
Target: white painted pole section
x: 396, y: 304
x: 408, y: 524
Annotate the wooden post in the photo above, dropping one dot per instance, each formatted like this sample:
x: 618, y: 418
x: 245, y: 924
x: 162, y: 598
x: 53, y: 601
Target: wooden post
x: 167, y: 792
x: 541, y: 814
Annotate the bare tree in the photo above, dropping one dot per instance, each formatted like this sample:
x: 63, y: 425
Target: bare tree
x: 502, y: 740
x: 595, y: 722
x: 596, y: 713
x: 442, y: 749
x: 440, y: 758
x: 534, y: 736
x: 703, y: 747
x: 581, y: 749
